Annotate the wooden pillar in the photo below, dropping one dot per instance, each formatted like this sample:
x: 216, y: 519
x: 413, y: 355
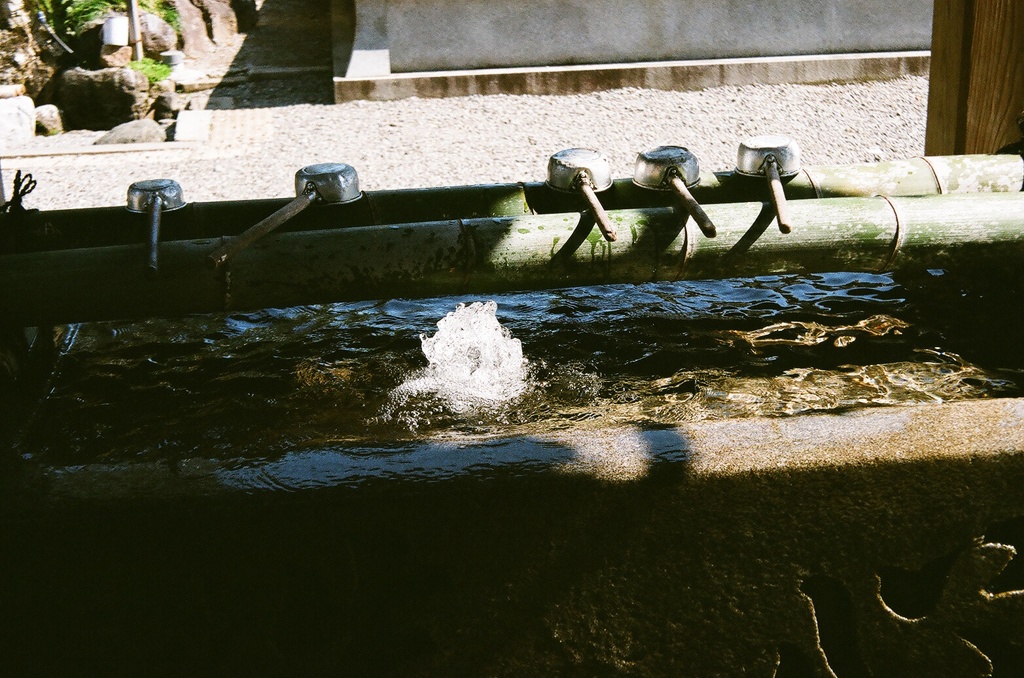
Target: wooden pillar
x: 977, y: 76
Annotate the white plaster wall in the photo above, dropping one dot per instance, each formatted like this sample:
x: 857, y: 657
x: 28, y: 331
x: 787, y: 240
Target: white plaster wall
x: 430, y: 35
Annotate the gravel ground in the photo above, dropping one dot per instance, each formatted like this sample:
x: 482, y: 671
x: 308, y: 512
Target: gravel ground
x: 254, y: 152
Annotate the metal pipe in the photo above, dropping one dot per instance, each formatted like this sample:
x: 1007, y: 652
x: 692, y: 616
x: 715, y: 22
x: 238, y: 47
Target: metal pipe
x: 493, y: 255
x: 136, y: 32
x: 263, y: 228
x: 693, y: 208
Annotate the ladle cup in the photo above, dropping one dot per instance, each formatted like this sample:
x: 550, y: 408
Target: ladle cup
x: 775, y: 157
x: 330, y: 183
x: 154, y: 197
x: 584, y: 171
x: 673, y: 168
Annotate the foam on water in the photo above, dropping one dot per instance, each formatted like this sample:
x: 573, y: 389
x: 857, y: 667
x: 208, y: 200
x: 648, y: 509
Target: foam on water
x: 474, y: 361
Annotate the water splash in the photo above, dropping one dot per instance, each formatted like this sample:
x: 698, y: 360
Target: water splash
x: 475, y: 362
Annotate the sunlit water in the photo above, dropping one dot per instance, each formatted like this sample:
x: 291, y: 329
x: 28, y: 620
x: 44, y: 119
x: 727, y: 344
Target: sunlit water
x: 359, y: 379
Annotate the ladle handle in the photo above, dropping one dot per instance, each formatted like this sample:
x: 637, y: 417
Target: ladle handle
x: 275, y: 220
x: 600, y: 216
x: 778, y: 196
x: 156, y: 206
x: 692, y: 206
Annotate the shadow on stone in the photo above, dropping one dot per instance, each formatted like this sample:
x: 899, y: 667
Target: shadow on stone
x: 833, y: 611
x: 915, y: 593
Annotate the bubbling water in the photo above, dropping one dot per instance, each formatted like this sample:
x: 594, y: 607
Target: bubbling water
x: 475, y: 362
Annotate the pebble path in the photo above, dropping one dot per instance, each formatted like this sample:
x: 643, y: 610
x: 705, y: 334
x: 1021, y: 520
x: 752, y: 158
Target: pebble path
x: 253, y: 152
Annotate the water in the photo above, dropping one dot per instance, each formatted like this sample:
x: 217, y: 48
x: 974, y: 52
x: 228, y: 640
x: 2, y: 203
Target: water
x: 474, y: 364
x: 307, y: 491
x: 333, y: 386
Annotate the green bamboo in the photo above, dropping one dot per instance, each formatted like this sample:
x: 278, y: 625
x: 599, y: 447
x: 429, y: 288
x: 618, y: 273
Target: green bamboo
x: 489, y: 255
x: 114, y: 225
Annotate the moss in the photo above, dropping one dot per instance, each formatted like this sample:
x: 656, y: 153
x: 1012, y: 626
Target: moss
x: 154, y: 70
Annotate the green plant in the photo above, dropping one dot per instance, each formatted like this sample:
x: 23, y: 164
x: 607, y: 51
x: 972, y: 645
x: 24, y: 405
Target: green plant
x: 77, y: 13
x: 69, y: 17
x: 154, y: 70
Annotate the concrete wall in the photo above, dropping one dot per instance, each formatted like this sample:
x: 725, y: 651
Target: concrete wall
x: 432, y: 35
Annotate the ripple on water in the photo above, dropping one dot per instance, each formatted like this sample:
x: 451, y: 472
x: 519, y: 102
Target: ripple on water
x: 264, y: 384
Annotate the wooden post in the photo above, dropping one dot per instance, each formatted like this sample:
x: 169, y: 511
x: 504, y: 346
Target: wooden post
x: 977, y: 76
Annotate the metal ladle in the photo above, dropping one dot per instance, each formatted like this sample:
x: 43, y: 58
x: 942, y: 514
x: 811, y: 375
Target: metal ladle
x: 673, y: 168
x: 154, y: 197
x: 331, y: 183
x: 776, y: 157
x: 584, y: 171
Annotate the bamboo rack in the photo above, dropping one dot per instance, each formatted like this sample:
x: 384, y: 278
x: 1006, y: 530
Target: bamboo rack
x: 502, y: 253
x: 115, y: 226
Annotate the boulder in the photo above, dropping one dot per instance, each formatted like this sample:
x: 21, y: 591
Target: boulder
x: 157, y: 35
x: 17, y: 121
x: 29, y: 55
x: 220, y: 19
x: 167, y: 106
x: 48, y: 120
x: 143, y: 131
x: 194, y: 39
x: 102, y: 99
x: 11, y: 91
x: 88, y: 43
x: 115, y: 56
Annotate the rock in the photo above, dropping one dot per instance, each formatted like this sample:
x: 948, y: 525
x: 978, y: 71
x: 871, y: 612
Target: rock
x: 157, y: 35
x: 115, y: 56
x: 88, y: 43
x: 194, y: 39
x: 143, y: 131
x: 246, y: 14
x: 167, y: 106
x: 193, y: 126
x: 11, y: 91
x: 30, y: 56
x: 220, y: 20
x: 102, y: 99
x: 161, y: 87
x: 48, y: 120
x: 17, y: 121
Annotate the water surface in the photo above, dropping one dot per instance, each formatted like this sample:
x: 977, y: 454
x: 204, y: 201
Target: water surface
x: 335, y: 385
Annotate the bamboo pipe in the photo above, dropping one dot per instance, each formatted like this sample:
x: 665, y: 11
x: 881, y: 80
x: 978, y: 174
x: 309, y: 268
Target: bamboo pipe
x: 112, y: 226
x: 485, y: 256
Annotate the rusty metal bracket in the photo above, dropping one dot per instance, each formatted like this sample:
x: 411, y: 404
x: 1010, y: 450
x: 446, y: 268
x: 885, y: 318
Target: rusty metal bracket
x: 897, y: 239
x: 689, y: 244
x: 578, y: 236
